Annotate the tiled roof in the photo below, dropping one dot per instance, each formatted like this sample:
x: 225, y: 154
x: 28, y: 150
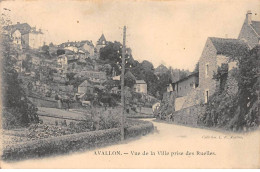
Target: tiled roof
x: 187, y: 77
x: 256, y: 26
x: 85, y: 84
x: 230, y: 47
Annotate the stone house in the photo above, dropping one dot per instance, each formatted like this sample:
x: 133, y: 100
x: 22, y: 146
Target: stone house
x: 250, y: 31
x: 88, y: 46
x: 18, y: 33
x: 140, y: 86
x: 184, y: 86
x: 17, y: 38
x: 34, y: 38
x: 216, y: 52
x: 85, y: 87
x: 85, y: 46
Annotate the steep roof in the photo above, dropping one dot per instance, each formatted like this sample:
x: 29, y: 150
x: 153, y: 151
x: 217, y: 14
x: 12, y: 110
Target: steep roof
x: 256, y: 26
x: 196, y: 74
x: 85, y: 84
x: 22, y: 27
x: 101, y: 39
x: 230, y: 47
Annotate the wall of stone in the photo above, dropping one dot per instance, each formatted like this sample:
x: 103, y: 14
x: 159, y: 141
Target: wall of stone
x: 179, y: 102
x: 192, y: 99
x: 187, y: 116
x: 206, y: 82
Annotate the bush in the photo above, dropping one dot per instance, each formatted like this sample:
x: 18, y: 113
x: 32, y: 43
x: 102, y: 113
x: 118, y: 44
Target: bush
x: 138, y: 128
x: 74, y: 142
x: 62, y: 144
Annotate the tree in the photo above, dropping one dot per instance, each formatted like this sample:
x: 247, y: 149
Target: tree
x: 110, y: 53
x: 196, y: 67
x: 151, y: 80
x: 107, y: 68
x: 18, y: 110
x: 163, y: 81
x: 248, y: 86
x: 147, y: 66
x: 137, y: 71
x: 45, y: 49
x: 129, y: 79
x: 60, y: 52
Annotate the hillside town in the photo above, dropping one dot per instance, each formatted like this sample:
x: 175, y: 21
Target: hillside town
x: 76, y: 87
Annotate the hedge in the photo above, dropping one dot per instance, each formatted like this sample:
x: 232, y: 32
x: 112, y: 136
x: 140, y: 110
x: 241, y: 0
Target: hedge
x: 72, y: 142
x: 140, y: 116
x: 138, y: 130
x: 62, y: 144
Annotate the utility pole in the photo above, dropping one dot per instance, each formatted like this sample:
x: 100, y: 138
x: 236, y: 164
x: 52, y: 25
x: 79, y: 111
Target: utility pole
x: 122, y: 86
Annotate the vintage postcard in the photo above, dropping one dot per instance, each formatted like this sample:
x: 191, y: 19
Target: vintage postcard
x: 145, y: 84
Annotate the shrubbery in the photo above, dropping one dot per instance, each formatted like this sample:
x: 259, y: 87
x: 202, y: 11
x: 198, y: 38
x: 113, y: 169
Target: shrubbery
x: 62, y: 144
x: 138, y: 128
x: 238, y: 111
x: 74, y: 142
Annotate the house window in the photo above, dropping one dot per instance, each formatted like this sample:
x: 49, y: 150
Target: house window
x: 207, y: 70
x: 206, y: 96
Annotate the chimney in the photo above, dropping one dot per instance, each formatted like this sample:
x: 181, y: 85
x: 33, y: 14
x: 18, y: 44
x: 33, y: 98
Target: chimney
x: 249, y: 17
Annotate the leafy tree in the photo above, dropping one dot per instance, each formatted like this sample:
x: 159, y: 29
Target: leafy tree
x: 196, y: 67
x: 110, y: 53
x: 19, y: 111
x: 45, y: 49
x: 147, y: 66
x: 137, y: 71
x: 151, y: 80
x: 163, y: 81
x: 27, y: 63
x: 129, y: 79
x: 60, y: 52
x: 107, y: 68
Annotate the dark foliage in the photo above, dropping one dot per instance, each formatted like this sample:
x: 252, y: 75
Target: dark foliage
x: 241, y: 110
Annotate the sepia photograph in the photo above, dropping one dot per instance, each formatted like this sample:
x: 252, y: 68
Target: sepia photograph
x: 130, y: 84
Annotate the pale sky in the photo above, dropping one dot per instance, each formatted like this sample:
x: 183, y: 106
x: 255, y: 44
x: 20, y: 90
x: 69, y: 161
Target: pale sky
x: 172, y: 33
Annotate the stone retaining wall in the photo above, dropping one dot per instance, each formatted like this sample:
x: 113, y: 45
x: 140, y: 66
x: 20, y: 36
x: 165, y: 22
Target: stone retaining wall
x: 188, y: 116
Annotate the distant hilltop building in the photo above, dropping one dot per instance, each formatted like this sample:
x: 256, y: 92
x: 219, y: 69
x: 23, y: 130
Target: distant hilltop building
x: 102, y: 42
x: 25, y: 36
x: 86, y: 47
